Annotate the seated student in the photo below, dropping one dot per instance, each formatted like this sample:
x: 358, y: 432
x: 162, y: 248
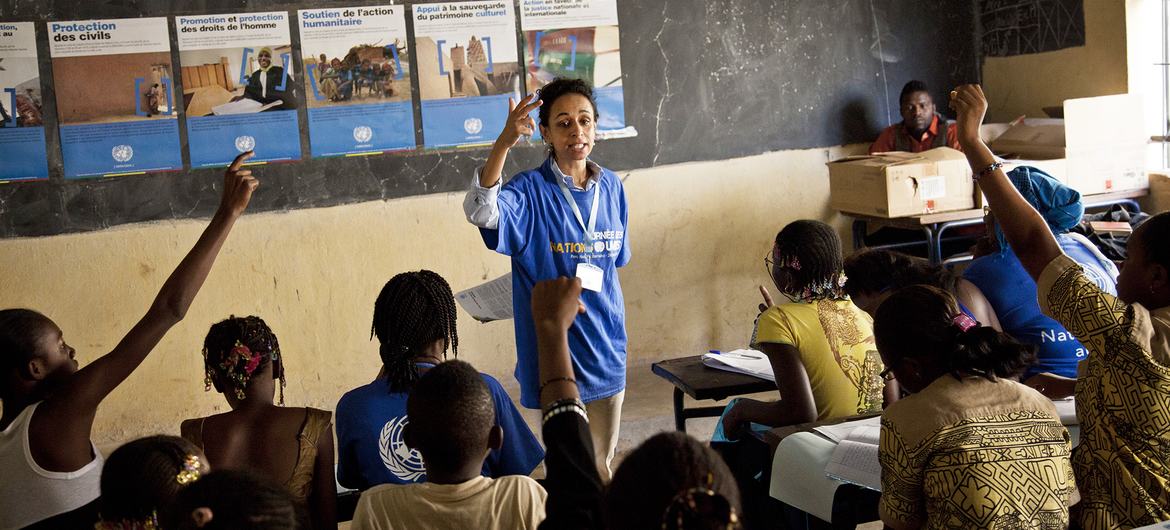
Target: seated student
x: 820, y: 345
x: 414, y: 320
x: 233, y: 499
x: 293, y: 445
x: 921, y: 127
x: 142, y: 478
x: 1123, y: 395
x: 452, y: 425
x: 874, y: 274
x: 48, y: 464
x: 671, y: 481
x: 969, y: 448
x: 999, y: 274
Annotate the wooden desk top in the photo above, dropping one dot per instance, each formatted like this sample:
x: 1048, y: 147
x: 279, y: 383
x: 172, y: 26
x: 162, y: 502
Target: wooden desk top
x: 699, y: 381
x: 977, y: 213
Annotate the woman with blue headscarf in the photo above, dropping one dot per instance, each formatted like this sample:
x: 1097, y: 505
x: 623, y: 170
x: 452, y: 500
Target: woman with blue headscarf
x: 999, y: 274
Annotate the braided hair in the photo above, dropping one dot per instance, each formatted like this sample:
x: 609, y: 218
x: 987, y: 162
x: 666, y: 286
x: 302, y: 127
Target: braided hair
x: 235, y: 349
x: 144, y: 476
x: 919, y: 322
x: 413, y: 310
x: 811, y: 253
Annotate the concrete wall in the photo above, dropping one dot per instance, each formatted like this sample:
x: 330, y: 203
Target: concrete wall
x: 1024, y: 84
x: 698, y: 234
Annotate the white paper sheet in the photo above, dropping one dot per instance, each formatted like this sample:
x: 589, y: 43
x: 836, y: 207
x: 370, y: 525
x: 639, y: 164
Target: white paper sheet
x: 489, y: 301
x: 855, y: 460
x: 841, y: 431
x: 749, y: 362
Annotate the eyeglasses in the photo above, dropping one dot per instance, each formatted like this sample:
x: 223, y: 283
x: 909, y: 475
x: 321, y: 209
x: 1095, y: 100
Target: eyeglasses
x: 768, y: 263
x: 887, y: 374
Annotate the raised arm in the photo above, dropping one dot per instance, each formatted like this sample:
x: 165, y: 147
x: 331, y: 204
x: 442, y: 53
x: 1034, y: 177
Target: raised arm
x: 1026, y: 231
x: 519, y: 124
x: 69, y: 412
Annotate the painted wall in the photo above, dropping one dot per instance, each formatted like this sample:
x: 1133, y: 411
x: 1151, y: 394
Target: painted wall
x: 1024, y: 84
x: 698, y: 232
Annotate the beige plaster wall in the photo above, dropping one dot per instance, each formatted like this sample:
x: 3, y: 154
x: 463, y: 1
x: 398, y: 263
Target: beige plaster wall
x: 1024, y: 84
x: 698, y: 233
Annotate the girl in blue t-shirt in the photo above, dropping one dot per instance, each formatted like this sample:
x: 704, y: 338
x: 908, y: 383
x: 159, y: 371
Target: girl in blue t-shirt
x: 567, y: 217
x: 414, y: 321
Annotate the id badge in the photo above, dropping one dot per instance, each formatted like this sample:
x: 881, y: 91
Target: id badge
x: 590, y: 276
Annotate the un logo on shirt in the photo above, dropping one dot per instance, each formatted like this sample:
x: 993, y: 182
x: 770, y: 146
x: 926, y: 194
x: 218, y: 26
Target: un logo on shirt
x: 402, y: 461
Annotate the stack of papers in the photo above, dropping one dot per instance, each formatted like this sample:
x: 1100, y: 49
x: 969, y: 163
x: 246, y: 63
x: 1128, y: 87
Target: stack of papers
x: 855, y: 459
x: 748, y: 362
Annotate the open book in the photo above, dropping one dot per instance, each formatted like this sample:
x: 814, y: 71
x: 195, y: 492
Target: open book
x: 748, y: 362
x: 855, y: 459
x: 243, y: 106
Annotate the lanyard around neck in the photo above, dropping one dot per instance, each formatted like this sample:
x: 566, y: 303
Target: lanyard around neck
x: 589, y: 229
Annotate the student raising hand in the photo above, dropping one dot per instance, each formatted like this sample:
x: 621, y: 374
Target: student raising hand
x: 555, y: 304
x: 51, y: 404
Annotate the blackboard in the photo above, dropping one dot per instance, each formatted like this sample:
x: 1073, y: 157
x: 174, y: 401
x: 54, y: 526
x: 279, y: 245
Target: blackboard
x: 1016, y: 27
x: 704, y: 80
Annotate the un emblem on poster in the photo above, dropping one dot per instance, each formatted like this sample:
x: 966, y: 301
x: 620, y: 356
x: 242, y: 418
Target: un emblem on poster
x: 362, y: 134
x: 245, y: 143
x: 122, y: 153
x: 473, y: 125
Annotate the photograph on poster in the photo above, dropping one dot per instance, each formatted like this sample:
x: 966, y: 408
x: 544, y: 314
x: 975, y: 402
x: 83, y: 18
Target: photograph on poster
x: 357, y: 73
x: 20, y: 92
x: 238, y: 80
x: 460, y: 66
x: 114, y: 88
x: 592, y: 54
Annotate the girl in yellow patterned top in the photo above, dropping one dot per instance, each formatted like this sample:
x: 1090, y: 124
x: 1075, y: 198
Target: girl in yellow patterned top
x: 820, y: 345
x: 970, y: 448
x: 1123, y: 397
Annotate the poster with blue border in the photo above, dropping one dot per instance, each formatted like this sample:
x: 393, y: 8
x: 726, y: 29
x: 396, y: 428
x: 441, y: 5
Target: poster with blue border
x: 467, y: 69
x: 115, y: 96
x: 22, y: 129
x: 242, y: 92
x: 357, y: 80
x: 578, y: 39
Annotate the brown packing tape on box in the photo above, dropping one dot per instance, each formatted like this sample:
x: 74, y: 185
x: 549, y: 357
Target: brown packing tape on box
x: 902, y: 184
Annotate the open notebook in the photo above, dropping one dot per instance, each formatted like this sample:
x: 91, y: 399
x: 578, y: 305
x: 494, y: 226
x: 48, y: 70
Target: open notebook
x: 855, y: 459
x: 749, y: 362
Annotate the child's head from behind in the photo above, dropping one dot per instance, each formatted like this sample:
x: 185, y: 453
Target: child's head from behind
x: 238, y: 349
x: 142, y: 478
x: 230, y: 499
x: 921, y: 335
x: 33, y: 354
x: 452, y: 420
x: 874, y: 274
x: 672, y: 481
x: 1144, y: 276
x: 806, y: 261
x: 413, y: 316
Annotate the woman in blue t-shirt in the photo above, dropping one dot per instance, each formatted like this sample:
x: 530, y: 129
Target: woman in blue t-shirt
x: 564, y: 218
x: 999, y: 274
x: 414, y: 320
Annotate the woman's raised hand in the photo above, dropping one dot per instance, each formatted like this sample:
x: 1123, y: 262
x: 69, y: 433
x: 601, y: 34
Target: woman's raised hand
x: 238, y: 185
x: 519, y: 123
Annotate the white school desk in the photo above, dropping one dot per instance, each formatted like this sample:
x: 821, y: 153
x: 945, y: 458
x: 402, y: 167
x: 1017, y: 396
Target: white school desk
x: 798, y: 470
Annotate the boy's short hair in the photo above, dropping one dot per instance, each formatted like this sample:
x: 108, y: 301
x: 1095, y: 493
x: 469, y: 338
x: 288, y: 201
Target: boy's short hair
x: 451, y: 416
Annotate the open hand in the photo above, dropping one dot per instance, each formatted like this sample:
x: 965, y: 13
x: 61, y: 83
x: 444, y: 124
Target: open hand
x: 519, y: 122
x: 970, y: 105
x: 238, y: 185
x: 556, y: 303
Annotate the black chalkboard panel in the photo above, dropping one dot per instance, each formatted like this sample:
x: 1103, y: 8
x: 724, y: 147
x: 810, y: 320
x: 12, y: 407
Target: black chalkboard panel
x: 704, y: 80
x: 1017, y: 27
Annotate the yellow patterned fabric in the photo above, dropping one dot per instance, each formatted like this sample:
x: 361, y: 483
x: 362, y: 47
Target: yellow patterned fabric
x: 835, y: 341
x: 975, y: 454
x: 1123, y: 400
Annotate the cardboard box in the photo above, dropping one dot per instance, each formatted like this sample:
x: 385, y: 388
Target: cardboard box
x: 1100, y: 138
x: 1159, y: 198
x: 902, y: 184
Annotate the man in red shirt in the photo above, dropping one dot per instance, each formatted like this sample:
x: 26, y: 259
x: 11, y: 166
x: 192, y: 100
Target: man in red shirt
x: 921, y: 127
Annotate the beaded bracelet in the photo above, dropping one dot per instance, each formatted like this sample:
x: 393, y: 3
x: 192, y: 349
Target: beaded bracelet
x: 540, y: 391
x: 565, y: 405
x: 987, y: 170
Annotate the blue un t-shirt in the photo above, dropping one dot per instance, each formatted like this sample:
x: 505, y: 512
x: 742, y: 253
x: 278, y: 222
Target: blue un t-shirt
x: 371, y: 451
x: 1012, y: 294
x: 538, y: 230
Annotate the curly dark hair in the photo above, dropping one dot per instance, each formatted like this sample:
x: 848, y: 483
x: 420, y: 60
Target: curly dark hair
x: 236, y: 499
x: 140, y: 478
x: 413, y: 310
x: 19, y: 331
x: 878, y: 270
x: 237, y: 347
